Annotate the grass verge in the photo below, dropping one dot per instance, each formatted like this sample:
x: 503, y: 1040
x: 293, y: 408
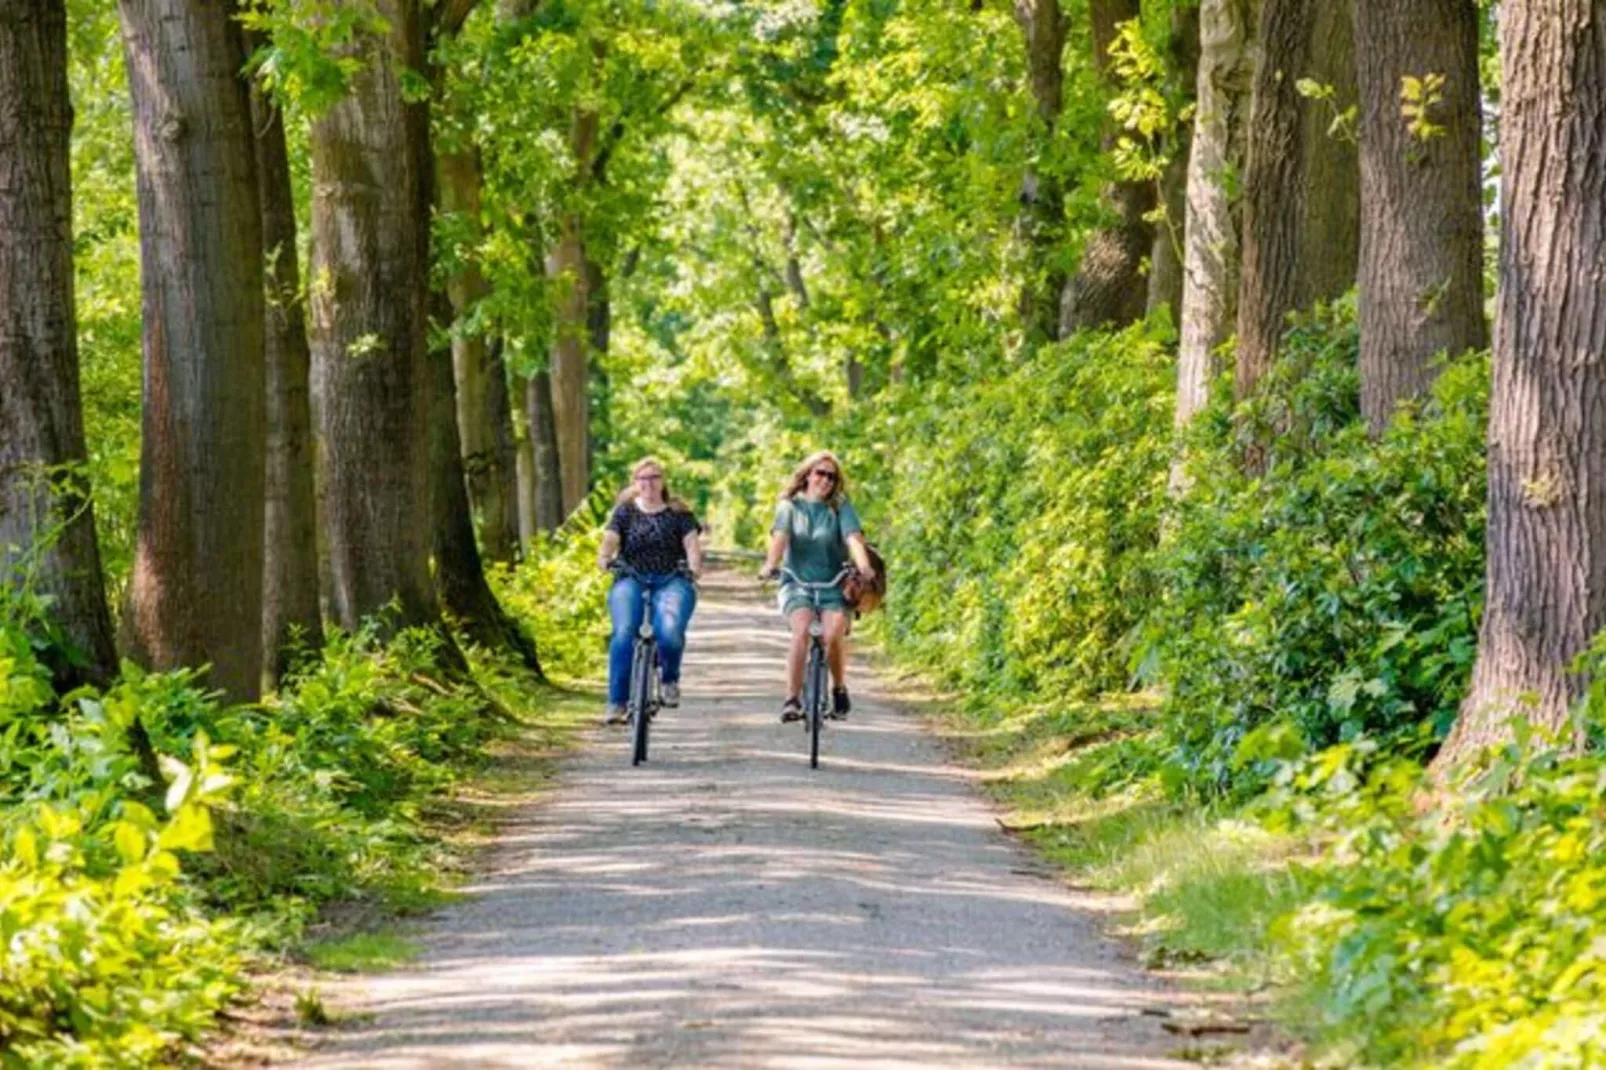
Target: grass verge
x: 1203, y: 886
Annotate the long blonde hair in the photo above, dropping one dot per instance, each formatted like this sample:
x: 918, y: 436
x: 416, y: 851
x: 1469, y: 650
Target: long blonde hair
x: 800, y: 478
x: 631, y: 492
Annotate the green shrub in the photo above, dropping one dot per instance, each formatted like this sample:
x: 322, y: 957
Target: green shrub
x: 1335, y: 595
x: 1019, y: 515
x: 1471, y: 934
x: 106, y: 960
x: 562, y: 594
x: 123, y: 932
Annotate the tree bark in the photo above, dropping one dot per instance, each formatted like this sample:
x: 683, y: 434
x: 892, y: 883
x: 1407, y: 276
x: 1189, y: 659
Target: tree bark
x: 369, y: 349
x: 1211, y: 244
x: 1301, y: 183
x: 570, y: 386
x: 1212, y: 241
x: 1165, y: 258
x: 195, y: 596
x: 1330, y: 233
x: 524, y: 465
x: 1042, y: 218
x: 483, y: 417
x: 1421, y: 252
x: 549, y: 511
x: 1547, y: 421
x: 290, y: 551
x: 47, y: 524
x: 1109, y: 289
x: 459, y: 573
x: 599, y: 336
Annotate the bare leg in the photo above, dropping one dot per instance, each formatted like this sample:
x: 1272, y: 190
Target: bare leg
x: 797, y: 651
x: 836, y: 646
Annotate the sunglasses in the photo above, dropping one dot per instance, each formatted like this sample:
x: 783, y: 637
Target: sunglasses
x: 824, y: 473
x: 649, y: 479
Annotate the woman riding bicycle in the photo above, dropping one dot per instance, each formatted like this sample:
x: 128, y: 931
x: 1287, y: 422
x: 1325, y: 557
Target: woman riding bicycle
x: 656, y: 535
x: 817, y: 531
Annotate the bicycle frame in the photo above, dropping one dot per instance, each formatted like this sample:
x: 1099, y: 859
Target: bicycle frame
x: 646, y: 682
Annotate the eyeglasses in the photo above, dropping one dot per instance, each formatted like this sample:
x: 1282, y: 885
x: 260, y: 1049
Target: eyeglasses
x: 650, y: 479
x: 824, y: 473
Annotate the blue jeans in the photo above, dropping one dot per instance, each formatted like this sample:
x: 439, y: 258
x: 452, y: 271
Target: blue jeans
x: 673, y: 600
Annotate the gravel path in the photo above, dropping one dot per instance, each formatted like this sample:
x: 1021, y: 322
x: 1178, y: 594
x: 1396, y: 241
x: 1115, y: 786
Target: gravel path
x: 724, y: 905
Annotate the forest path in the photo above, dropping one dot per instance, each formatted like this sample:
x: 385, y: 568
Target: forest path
x: 724, y: 905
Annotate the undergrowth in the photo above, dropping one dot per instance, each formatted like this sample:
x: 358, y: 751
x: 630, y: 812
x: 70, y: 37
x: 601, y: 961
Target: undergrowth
x: 132, y: 912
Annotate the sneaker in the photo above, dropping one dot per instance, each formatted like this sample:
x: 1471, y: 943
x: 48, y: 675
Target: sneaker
x: 840, y: 704
x: 791, y: 710
x: 670, y: 696
x: 616, y: 715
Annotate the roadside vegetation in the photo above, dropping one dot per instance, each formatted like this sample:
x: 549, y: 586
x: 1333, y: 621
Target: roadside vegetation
x: 1235, y: 449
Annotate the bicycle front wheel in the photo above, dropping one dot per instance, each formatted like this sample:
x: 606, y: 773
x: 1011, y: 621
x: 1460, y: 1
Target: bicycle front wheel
x: 641, y: 669
x: 814, y: 701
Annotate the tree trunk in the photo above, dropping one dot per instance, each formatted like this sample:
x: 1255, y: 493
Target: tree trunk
x: 482, y: 405
x: 570, y: 389
x: 504, y: 448
x: 1042, y: 218
x: 369, y: 349
x: 1330, y: 230
x: 46, y: 512
x: 195, y: 596
x: 549, y: 511
x: 1109, y: 288
x: 1165, y: 259
x: 459, y: 573
x: 1421, y: 254
x: 1301, y: 183
x: 524, y: 465
x: 1547, y: 421
x: 1211, y: 250
x: 290, y: 551
x: 599, y: 335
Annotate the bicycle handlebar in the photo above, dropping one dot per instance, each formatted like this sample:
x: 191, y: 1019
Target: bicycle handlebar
x: 842, y: 574
x: 620, y: 567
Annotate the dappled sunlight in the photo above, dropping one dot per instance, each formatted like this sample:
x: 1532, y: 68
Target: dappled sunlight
x: 725, y: 905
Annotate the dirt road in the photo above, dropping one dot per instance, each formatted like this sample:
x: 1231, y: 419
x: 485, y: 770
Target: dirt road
x: 724, y: 905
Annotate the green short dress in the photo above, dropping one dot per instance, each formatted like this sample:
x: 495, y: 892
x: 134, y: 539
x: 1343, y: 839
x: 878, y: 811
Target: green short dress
x: 816, y: 550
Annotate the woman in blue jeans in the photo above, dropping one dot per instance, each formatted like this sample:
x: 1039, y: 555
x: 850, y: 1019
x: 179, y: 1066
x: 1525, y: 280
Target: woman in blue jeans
x: 656, y: 534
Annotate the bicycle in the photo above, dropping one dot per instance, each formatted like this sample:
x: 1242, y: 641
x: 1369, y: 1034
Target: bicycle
x: 646, y: 674
x: 816, y: 671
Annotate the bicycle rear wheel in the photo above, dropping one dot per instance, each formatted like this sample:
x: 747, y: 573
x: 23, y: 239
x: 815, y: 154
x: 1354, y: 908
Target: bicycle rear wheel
x: 814, y: 701
x: 641, y: 668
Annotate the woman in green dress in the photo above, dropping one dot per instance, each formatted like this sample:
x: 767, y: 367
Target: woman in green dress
x: 816, y: 532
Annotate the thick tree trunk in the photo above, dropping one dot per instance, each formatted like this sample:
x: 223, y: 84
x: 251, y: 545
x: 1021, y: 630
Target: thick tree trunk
x: 1330, y: 227
x: 1165, y: 259
x: 196, y: 592
x: 1301, y: 183
x: 290, y: 553
x: 482, y: 405
x: 1211, y: 249
x: 459, y: 573
x: 1421, y: 254
x: 1547, y: 421
x: 549, y: 511
x: 570, y: 378
x: 369, y: 347
x: 45, y: 506
x: 1213, y: 230
x: 1042, y: 219
x: 1109, y: 289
